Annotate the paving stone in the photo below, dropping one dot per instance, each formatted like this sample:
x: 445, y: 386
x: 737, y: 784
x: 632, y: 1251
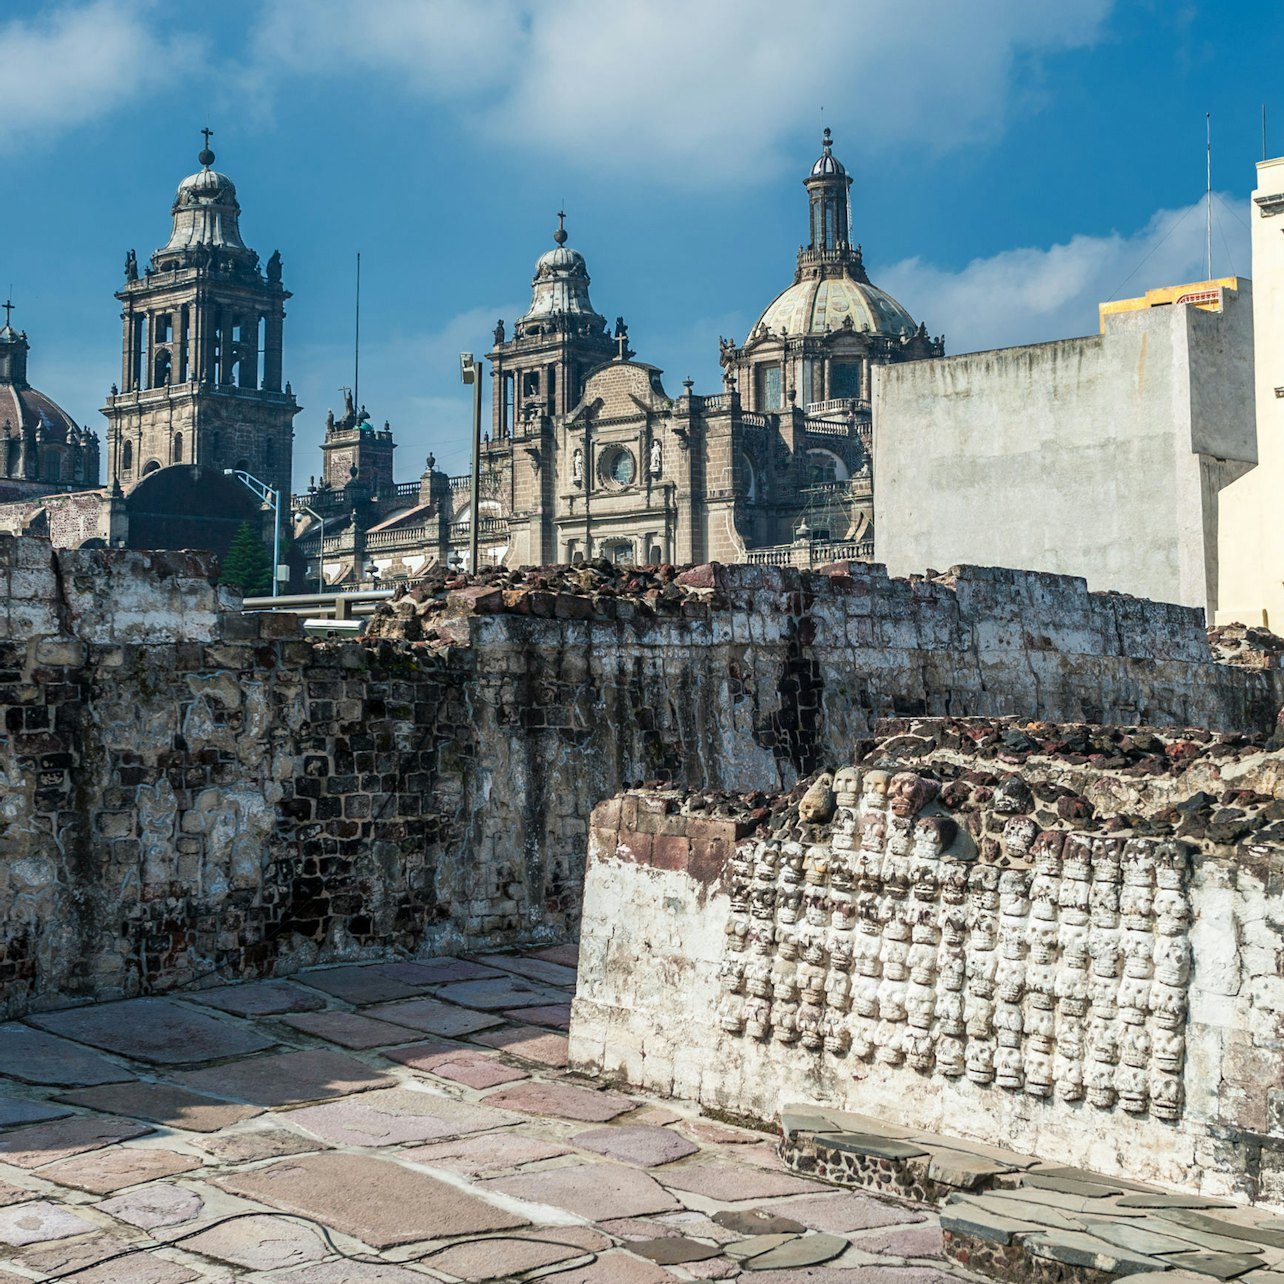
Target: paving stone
x: 431, y: 1017
x: 1077, y: 1248
x: 962, y: 1168
x: 614, y: 1268
x: 10, y: 1194
x: 287, y: 1077
x: 731, y: 1182
x: 567, y: 955
x: 1135, y: 1200
x: 14, y: 1111
x: 356, y: 985
x: 349, y: 1029
x: 745, y: 1249
x: 258, y: 998
x: 36, y: 1057
x: 807, y: 1250
x: 460, y: 1065
x: 350, y: 1273
x: 562, y: 1101
x: 1221, y: 1266
x: 1069, y: 1185
x: 260, y: 1243
x: 158, y: 1031
x: 499, y: 1257
x: 1197, y: 1239
x: 1012, y: 1158
x: 850, y: 1121
x: 670, y: 1250
x: 1041, y: 1169
x: 716, y: 1134
x: 757, y: 1221
x: 1140, y: 1237
x: 686, y: 1223
x: 486, y: 1154
x: 557, y: 1016
x: 995, y: 1227
x: 529, y: 1043
x: 593, y: 1191
x: 543, y: 970
x: 162, y: 1103
x: 1040, y: 1214
x: 1214, y: 1225
x: 38, y: 1144
x: 1169, y: 1277
x: 162, y: 1204
x: 797, y: 1119
x: 864, y: 1143
x: 75, y: 1254
x: 427, y: 972
x: 1027, y: 1195
x: 499, y: 992
x: 139, y: 1268
x: 39, y: 1220
x: 861, y: 1275
x: 841, y: 1212
x: 110, y: 1170
x: 648, y: 1147
x: 376, y: 1200
x: 924, y: 1240
x: 655, y: 1116
x: 716, y: 1268
x: 392, y: 1116
x: 260, y: 1143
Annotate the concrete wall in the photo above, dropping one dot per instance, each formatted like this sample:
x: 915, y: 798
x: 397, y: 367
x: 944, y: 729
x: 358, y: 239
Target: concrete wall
x: 188, y: 793
x: 1251, y: 539
x: 1096, y: 457
x: 1005, y: 962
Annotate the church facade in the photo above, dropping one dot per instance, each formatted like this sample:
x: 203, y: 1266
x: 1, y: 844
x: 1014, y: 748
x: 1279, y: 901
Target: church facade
x: 589, y: 455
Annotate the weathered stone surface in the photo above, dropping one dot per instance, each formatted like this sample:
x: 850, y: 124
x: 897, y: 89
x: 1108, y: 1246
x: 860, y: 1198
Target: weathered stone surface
x: 545, y: 971
x: 376, y: 1200
x: 496, y: 993
x: 259, y: 1143
x: 839, y: 1213
x: 563, y: 1101
x: 162, y: 1103
x: 731, y: 1182
x: 357, y: 985
x: 757, y: 1221
x: 37, y: 1221
x: 258, y: 998
x: 499, y: 1257
x: 593, y: 1191
x: 616, y: 1268
x: 557, y: 1016
x: 107, y: 1170
x: 36, y: 1057
x: 349, y: 1029
x: 286, y: 1078
x: 567, y: 955
x: 260, y: 1243
x: 350, y: 1273
x: 904, y: 1241
x: 392, y: 1116
x: 43, y: 1143
x: 474, y: 1069
x: 670, y: 1250
x: 154, y: 1030
x: 14, y: 1111
x: 485, y: 1155
x: 805, y: 1250
x: 10, y: 1194
x: 527, y: 1042
x: 1075, y: 1248
x: 428, y: 972
x: 647, y: 1147
x: 433, y: 1017
x: 151, y: 1207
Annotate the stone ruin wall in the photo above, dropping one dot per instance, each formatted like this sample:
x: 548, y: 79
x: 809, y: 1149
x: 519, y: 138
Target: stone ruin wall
x: 192, y: 794
x: 1075, y: 951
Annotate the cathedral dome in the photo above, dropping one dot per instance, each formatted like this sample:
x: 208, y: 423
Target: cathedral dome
x: 560, y: 286
x: 818, y: 304
x: 22, y: 407
x: 205, y: 211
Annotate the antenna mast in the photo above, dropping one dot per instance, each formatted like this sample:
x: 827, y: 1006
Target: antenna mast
x: 1263, y: 131
x: 1208, y: 194
x: 356, y: 351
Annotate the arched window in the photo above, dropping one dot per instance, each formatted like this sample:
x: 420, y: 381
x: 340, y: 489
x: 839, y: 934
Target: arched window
x: 176, y: 454
x: 161, y: 369
x: 269, y: 454
x: 127, y: 457
x: 51, y: 464
x: 151, y: 466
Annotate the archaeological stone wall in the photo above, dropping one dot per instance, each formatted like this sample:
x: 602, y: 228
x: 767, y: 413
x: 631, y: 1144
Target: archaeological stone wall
x: 1072, y: 954
x: 190, y: 793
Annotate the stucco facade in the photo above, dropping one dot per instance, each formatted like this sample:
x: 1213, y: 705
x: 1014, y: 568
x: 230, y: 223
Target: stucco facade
x: 1251, y: 537
x: 1103, y: 457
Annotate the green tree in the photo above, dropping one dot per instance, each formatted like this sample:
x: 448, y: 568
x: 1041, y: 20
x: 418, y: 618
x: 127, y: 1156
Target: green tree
x: 248, y: 565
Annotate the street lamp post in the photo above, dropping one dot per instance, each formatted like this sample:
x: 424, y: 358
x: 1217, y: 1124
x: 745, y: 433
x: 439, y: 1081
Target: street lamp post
x: 470, y: 372
x: 268, y: 496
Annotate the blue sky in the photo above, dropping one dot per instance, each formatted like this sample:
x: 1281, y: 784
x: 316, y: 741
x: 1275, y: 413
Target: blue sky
x: 1014, y: 162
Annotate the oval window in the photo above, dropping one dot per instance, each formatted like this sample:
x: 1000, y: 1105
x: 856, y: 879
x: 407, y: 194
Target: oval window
x: 621, y: 469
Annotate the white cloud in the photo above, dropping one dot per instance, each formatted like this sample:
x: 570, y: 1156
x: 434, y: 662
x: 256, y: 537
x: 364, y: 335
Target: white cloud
x: 1031, y: 294
x: 690, y: 92
x: 79, y: 62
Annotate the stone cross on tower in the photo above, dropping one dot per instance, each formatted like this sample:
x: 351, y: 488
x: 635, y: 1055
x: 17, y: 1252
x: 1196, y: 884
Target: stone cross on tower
x: 8, y: 312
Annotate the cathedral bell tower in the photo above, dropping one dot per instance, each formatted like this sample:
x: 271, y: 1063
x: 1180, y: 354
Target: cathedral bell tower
x: 201, y: 353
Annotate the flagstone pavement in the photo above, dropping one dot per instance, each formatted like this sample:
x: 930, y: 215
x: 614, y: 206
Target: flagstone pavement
x: 395, y: 1122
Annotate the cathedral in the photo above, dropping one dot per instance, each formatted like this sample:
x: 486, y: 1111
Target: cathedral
x: 587, y: 454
